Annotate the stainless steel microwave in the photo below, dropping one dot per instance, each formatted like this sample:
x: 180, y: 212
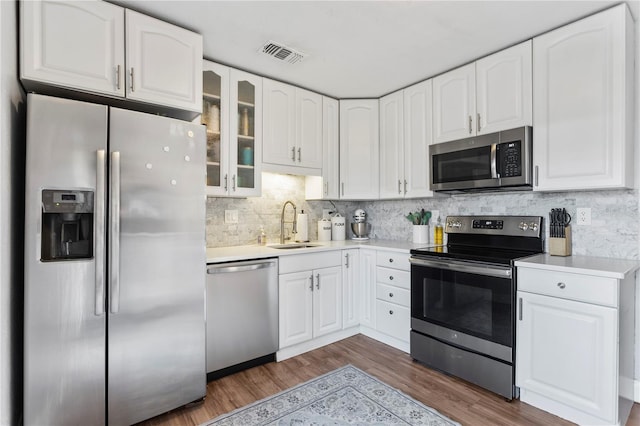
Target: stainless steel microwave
x: 492, y: 162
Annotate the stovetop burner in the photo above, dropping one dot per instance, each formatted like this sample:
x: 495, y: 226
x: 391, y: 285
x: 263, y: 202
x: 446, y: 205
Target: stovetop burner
x: 492, y: 239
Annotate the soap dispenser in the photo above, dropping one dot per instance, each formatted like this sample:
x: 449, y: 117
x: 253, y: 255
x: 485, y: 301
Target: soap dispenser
x: 262, y: 237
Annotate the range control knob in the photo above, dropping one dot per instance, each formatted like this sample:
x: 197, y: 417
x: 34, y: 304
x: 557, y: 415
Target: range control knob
x: 523, y: 226
x: 456, y: 224
x: 533, y: 226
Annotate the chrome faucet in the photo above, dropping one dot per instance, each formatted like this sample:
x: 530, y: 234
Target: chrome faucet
x: 294, y: 229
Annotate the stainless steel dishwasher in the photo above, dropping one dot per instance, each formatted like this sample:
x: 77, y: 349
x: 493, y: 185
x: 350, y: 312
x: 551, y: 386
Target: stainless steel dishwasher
x: 242, y: 315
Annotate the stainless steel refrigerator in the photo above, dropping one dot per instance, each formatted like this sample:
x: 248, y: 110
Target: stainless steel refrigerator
x: 114, y: 264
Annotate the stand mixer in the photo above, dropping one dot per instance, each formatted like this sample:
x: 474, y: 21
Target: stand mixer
x: 360, y: 228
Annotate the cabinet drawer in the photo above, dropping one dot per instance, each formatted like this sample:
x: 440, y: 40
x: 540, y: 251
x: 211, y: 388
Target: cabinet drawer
x: 393, y: 294
x: 393, y: 277
x: 309, y: 261
x: 392, y: 259
x: 393, y: 320
x: 582, y: 288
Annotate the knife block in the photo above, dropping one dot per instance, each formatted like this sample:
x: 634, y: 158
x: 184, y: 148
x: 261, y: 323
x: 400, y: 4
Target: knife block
x: 561, y: 246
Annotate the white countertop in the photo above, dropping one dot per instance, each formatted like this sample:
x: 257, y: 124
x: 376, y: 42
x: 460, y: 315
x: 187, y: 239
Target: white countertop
x: 254, y: 251
x: 589, y: 265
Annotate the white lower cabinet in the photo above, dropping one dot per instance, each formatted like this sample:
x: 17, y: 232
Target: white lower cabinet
x: 310, y: 296
x: 574, y: 354
x: 386, y: 283
x: 350, y: 288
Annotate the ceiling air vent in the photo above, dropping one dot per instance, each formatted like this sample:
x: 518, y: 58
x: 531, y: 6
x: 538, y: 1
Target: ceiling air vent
x: 281, y: 52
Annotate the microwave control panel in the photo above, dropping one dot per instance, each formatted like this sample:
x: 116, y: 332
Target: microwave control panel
x: 510, y: 159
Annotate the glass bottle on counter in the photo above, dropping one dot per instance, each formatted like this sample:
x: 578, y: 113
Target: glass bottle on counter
x: 438, y: 232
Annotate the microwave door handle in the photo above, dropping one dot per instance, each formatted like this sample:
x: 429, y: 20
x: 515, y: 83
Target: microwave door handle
x: 494, y: 161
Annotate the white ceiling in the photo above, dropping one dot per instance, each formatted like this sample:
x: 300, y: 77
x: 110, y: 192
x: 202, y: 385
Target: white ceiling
x: 364, y: 49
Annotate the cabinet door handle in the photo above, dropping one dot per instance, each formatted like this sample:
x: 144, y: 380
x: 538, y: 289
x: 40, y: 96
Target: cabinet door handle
x: 233, y: 183
x: 470, y: 125
x: 293, y: 153
x: 390, y: 294
x: 346, y: 256
x: 299, y: 155
x: 390, y: 277
x: 226, y: 182
x: 326, y: 188
x: 405, y: 186
x: 131, y: 74
x: 311, y: 279
x: 343, y: 189
x: 390, y: 312
x: 535, y: 170
x: 118, y: 77
x: 399, y: 187
x: 318, y: 281
x: 562, y: 285
x: 520, y: 308
x: 390, y: 260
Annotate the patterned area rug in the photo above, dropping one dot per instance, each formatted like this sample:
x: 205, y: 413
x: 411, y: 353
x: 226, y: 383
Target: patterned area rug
x: 346, y: 396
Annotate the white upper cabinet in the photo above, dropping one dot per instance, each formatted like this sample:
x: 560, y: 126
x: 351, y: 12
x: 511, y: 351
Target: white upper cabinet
x: 359, y: 149
x: 454, y: 104
x: 326, y: 186
x: 405, y: 136
x: 392, y: 146
x: 164, y: 63
x: 418, y: 135
x: 73, y: 44
x: 292, y: 128
x: 489, y: 95
x: 81, y: 45
x: 233, y: 150
x: 583, y: 108
x: 503, y: 90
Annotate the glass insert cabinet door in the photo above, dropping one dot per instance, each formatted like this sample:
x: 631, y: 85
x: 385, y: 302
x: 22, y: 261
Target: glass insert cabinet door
x: 232, y: 112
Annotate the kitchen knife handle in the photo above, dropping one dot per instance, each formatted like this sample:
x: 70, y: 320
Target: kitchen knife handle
x: 100, y: 230
x: 118, y: 77
x: 114, y: 235
x: 470, y: 125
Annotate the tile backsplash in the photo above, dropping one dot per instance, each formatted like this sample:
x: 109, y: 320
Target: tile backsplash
x: 614, y: 232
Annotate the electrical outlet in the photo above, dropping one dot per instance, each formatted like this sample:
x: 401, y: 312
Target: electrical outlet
x: 584, y: 216
x: 231, y: 216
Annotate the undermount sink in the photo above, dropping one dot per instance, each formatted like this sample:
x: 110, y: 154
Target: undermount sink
x: 293, y: 246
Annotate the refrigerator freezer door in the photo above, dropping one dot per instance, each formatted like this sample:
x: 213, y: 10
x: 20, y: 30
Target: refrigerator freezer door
x: 64, y: 326
x: 156, y: 356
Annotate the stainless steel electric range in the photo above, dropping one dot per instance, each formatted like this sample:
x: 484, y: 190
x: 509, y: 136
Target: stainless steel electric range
x: 463, y: 298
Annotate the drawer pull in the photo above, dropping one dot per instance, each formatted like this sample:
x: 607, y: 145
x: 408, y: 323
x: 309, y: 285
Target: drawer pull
x: 561, y: 285
x: 390, y: 277
x: 390, y: 312
x: 390, y: 260
x: 390, y: 294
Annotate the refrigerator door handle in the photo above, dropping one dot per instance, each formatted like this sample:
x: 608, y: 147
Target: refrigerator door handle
x: 114, y: 235
x: 100, y: 216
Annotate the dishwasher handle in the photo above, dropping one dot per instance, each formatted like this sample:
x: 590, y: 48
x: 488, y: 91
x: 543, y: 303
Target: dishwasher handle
x: 240, y: 267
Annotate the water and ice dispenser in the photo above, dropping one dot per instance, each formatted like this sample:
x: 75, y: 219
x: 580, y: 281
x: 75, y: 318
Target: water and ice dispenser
x: 67, y: 225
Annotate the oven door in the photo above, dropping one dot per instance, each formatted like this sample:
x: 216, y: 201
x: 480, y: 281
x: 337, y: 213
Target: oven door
x: 466, y: 304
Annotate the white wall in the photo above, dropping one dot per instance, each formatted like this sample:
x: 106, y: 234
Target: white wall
x: 12, y: 114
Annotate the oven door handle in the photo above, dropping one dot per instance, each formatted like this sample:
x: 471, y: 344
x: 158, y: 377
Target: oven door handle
x: 488, y: 270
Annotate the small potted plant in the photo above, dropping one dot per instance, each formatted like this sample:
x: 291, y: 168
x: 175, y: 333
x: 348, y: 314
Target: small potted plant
x: 420, y: 220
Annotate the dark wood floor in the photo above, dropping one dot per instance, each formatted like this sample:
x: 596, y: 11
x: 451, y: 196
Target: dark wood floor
x: 459, y: 400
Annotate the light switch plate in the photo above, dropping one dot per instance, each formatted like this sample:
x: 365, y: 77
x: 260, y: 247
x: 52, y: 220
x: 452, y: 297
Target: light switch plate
x: 231, y: 216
